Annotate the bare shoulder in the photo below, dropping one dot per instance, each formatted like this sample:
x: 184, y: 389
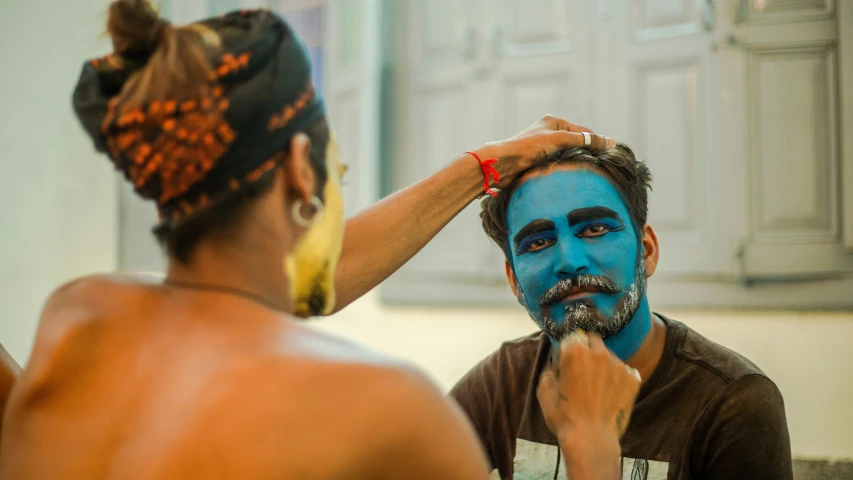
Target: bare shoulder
x: 424, y: 435
x: 75, y: 292
x: 68, y: 308
x: 82, y: 297
x: 77, y: 305
x: 345, y: 406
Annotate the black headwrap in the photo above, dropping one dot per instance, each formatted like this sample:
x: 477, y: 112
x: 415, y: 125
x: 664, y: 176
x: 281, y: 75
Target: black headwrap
x: 184, y: 153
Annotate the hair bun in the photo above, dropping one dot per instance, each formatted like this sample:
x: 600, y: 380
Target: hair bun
x: 136, y: 27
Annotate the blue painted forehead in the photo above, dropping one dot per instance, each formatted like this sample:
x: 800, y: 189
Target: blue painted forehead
x: 556, y: 193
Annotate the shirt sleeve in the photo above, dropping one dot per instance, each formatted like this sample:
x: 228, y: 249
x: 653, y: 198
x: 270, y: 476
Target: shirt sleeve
x: 746, y: 434
x: 475, y: 395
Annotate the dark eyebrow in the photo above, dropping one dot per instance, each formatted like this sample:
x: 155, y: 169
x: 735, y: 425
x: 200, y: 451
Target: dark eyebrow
x: 591, y: 213
x: 536, y: 226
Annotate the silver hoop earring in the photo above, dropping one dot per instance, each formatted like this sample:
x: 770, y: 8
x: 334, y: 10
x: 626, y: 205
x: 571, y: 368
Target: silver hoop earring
x: 301, y: 219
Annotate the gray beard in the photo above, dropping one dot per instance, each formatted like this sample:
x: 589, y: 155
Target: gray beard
x: 583, y: 315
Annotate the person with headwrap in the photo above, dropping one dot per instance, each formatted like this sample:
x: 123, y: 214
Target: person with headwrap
x: 208, y: 373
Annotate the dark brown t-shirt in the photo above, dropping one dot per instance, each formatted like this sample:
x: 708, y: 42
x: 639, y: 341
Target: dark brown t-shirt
x: 705, y: 413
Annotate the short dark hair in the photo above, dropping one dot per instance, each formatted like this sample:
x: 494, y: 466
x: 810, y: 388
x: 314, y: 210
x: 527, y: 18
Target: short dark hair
x: 632, y: 180
x: 179, y: 239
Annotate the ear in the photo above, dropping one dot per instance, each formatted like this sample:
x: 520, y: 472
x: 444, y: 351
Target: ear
x: 651, y: 250
x: 299, y: 177
x: 510, y: 276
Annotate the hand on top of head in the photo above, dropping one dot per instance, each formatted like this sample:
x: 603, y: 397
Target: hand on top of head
x: 560, y: 133
x: 544, y: 137
x: 589, y: 391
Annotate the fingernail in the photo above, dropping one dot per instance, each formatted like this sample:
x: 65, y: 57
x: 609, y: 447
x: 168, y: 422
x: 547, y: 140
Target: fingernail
x: 609, y: 142
x: 636, y: 373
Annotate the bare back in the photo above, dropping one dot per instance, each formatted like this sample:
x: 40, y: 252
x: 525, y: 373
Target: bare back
x: 138, y: 381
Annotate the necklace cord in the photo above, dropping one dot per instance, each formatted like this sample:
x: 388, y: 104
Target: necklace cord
x: 227, y: 290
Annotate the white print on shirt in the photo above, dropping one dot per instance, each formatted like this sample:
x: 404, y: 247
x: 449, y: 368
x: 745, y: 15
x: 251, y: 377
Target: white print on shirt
x: 538, y: 461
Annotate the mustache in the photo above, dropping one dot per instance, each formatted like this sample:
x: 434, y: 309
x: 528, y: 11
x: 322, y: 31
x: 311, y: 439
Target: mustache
x: 585, y: 282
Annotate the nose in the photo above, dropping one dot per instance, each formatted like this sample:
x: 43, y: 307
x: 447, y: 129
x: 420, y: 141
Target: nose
x: 573, y: 258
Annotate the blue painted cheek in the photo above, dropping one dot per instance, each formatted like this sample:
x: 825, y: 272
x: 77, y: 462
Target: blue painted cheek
x: 534, y: 273
x: 616, y: 257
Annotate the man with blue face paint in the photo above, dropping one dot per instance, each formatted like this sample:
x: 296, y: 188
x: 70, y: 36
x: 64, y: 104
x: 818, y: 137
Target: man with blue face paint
x: 578, y: 252
x: 583, y: 269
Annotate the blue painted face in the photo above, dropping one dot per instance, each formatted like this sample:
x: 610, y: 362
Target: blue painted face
x: 577, y: 258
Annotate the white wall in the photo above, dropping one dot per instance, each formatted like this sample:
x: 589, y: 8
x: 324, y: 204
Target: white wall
x: 57, y: 197
x: 808, y: 355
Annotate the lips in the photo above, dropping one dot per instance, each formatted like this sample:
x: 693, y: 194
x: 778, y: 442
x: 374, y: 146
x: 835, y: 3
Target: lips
x: 557, y: 295
x: 578, y: 290
x: 575, y: 292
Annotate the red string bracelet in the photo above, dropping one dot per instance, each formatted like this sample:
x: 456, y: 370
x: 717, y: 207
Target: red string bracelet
x: 489, y: 171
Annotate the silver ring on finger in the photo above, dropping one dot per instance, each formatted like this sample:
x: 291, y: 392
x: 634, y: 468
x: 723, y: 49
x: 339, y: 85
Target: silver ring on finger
x: 587, y: 139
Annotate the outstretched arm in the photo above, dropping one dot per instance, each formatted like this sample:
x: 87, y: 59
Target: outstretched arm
x: 382, y: 238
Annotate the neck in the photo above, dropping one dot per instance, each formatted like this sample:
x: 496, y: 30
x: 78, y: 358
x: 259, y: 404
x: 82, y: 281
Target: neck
x: 640, y: 344
x: 256, y: 271
x: 628, y: 341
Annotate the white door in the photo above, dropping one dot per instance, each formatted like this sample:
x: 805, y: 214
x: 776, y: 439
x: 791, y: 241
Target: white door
x: 439, y: 111
x: 783, y: 54
x: 660, y: 94
x: 544, y: 58
x: 733, y: 106
x: 479, y: 71
x: 540, y: 59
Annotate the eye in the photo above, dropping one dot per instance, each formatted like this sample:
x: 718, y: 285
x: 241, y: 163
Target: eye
x: 595, y: 230
x: 535, y: 245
